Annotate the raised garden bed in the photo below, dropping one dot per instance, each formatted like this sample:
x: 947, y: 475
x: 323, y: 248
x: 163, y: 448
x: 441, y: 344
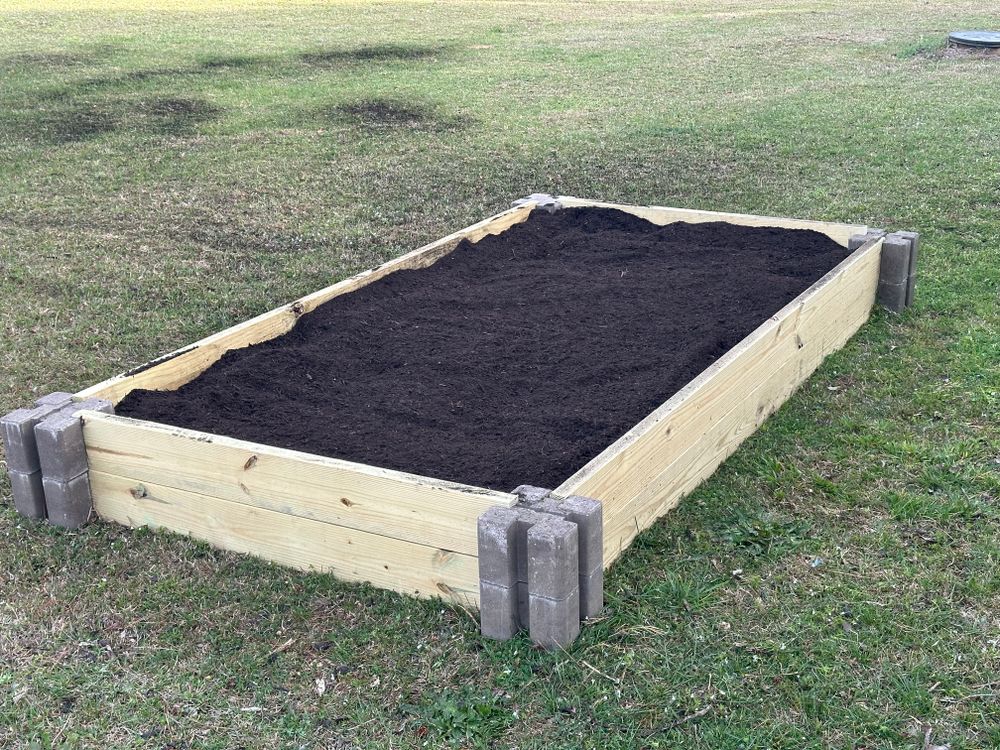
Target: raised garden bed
x: 602, y: 351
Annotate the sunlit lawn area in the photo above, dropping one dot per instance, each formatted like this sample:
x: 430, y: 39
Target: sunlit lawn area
x: 170, y: 168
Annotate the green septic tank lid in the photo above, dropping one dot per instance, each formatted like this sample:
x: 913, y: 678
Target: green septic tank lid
x: 975, y: 38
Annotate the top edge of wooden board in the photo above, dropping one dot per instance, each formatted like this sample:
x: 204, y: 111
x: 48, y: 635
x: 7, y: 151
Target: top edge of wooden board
x: 173, y: 370
x: 701, y: 381
x: 839, y: 233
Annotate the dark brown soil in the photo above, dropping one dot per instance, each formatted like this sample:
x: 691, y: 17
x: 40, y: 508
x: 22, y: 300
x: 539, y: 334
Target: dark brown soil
x: 511, y: 361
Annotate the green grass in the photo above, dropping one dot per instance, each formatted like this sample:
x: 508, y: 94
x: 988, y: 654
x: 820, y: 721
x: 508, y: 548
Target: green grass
x: 169, y: 169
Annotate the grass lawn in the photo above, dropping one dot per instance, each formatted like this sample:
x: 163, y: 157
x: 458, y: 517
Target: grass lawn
x: 170, y: 168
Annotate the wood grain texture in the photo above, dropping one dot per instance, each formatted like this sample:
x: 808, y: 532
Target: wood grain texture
x: 183, y: 365
x: 380, y: 501
x: 302, y: 543
x: 839, y: 233
x: 647, y: 471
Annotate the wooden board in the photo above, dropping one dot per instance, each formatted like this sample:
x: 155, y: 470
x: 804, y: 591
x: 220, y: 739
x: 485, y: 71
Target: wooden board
x: 839, y: 233
x: 179, y: 367
x: 388, y: 503
x: 301, y: 543
x: 649, y: 469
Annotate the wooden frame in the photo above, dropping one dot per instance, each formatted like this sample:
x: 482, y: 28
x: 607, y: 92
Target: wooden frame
x: 417, y: 535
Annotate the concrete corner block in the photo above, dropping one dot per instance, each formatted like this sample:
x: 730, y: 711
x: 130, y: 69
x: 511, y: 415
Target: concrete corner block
x: 555, y: 623
x: 894, y: 272
x: 543, y: 201
x: 61, y: 451
x: 553, y: 558
x: 68, y: 504
x: 531, y: 495
x: 497, y: 532
x: 591, y: 594
x: 19, y: 436
x: 59, y: 439
x: 29, y: 495
x: 588, y: 515
x: 498, y: 611
x: 56, y: 398
x: 911, y: 279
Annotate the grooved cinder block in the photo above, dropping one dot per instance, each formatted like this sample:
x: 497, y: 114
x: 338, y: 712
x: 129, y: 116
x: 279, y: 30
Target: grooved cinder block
x: 29, y: 495
x: 59, y: 439
x: 68, y: 504
x: 544, y: 201
x: 892, y: 296
x: 555, y: 623
x: 894, y: 272
x: 553, y: 558
x: 19, y: 436
x: 498, y: 611
x: 588, y: 515
x: 530, y: 495
x: 911, y: 279
x: 857, y: 240
x: 497, y: 532
x: 526, y: 518
x: 56, y: 398
x: 591, y: 594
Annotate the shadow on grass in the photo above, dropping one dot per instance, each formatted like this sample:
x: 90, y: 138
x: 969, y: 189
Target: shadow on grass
x: 388, y: 113
x: 377, y: 53
x: 83, y: 121
x: 56, y: 59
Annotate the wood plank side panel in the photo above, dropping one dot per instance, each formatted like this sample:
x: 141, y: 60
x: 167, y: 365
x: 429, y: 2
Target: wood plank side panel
x: 839, y: 233
x: 183, y: 365
x: 379, y: 501
x: 301, y: 543
x: 668, y: 454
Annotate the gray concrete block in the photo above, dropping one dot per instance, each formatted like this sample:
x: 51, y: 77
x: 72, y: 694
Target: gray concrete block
x: 588, y: 515
x: 530, y: 495
x: 91, y: 404
x: 497, y: 533
x: 555, y: 623
x: 857, y: 240
x: 892, y: 296
x: 29, y: 495
x: 59, y: 439
x: 19, y: 436
x: 544, y: 201
x: 60, y: 446
x: 523, y: 612
x: 591, y: 594
x: 553, y: 558
x: 57, y: 398
x: 911, y: 280
x: 526, y: 518
x: 498, y: 611
x: 68, y: 504
x: 895, y: 263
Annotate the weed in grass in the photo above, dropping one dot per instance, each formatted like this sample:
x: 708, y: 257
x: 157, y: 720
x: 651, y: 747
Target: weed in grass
x: 462, y: 718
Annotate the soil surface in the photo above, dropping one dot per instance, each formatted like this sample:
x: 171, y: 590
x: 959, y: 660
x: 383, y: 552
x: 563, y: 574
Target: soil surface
x: 511, y: 361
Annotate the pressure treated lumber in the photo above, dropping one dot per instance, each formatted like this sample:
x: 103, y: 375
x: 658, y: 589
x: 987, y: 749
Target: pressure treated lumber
x: 181, y: 366
x: 661, y: 215
x: 649, y: 469
x: 302, y: 543
x: 380, y: 501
